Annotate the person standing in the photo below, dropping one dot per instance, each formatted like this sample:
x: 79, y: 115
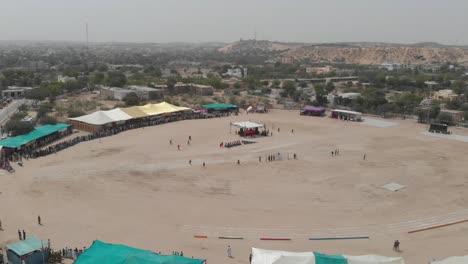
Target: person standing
x: 238, y: 162
x: 39, y: 220
x: 24, y: 235
x: 190, y: 138
x: 190, y: 162
x: 178, y: 147
x: 364, y: 158
x: 250, y: 258
x: 19, y: 235
x: 259, y: 158
x: 229, y: 252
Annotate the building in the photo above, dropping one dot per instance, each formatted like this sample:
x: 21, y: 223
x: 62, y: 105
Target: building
x: 350, y: 96
x: 286, y: 60
x: 28, y: 251
x: 147, y: 93
x: 15, y: 91
x: 320, y: 70
x: 114, y: 93
x: 457, y: 116
x: 204, y: 90
x: 190, y: 88
x: 64, y: 79
x: 445, y: 94
x: 234, y: 73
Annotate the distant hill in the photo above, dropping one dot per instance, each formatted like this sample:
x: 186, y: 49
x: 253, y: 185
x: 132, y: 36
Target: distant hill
x: 248, y: 46
x: 422, y: 53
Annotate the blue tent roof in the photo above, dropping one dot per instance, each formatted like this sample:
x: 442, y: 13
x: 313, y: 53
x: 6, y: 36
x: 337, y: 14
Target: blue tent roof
x: 27, y: 246
x: 104, y: 253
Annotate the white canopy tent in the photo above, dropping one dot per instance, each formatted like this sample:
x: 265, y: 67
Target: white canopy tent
x: 103, y: 117
x: 373, y: 259
x: 265, y: 256
x: 295, y: 260
x: 247, y: 125
x: 452, y: 260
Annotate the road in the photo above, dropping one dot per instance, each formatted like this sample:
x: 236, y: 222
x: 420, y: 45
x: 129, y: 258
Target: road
x: 10, y: 109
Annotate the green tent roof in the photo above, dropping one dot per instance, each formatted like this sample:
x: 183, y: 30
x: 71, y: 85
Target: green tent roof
x: 104, y: 253
x: 220, y: 106
x: 27, y: 246
x: 37, y: 133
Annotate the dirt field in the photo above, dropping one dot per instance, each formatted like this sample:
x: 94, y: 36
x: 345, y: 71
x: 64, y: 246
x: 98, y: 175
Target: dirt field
x: 136, y: 189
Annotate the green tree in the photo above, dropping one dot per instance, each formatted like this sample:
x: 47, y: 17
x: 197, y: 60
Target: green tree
x: 72, y: 86
x: 131, y: 99
x: 48, y: 120
x: 18, y: 127
x: 98, y: 78
x: 276, y: 83
x: 445, y: 118
x: 116, y: 79
x: 74, y: 113
x: 44, y: 109
x: 459, y: 87
x: 289, y: 88
x: 55, y: 88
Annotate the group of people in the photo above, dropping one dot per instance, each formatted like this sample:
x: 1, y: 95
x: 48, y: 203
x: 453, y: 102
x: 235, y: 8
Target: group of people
x: 35, y: 150
x: 273, y: 157
x: 71, y: 253
x: 335, y: 152
x: 231, y: 144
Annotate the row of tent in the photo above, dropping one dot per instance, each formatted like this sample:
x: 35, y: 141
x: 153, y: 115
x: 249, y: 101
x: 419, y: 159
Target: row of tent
x: 127, y: 113
x: 265, y: 256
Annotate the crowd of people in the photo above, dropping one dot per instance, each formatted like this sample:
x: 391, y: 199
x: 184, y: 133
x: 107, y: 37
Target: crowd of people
x: 71, y: 253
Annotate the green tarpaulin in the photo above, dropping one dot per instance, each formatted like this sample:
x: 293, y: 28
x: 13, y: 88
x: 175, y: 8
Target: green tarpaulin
x: 37, y: 133
x: 329, y: 259
x: 220, y: 106
x: 104, y: 253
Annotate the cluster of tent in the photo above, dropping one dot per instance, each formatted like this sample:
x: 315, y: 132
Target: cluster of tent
x: 120, y: 115
x: 264, y: 256
x: 105, y: 253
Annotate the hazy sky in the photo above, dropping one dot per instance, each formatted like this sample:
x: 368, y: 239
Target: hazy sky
x: 407, y: 21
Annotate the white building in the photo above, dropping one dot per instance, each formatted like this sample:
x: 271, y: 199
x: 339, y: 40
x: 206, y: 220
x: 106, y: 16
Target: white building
x: 64, y: 79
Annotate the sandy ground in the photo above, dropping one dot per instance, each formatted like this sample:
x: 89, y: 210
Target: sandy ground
x: 136, y: 189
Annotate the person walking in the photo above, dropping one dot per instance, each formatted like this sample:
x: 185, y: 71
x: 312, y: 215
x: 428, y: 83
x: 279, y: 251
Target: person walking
x: 229, y: 252
x: 188, y: 142
x: 238, y: 162
x: 332, y: 153
x: 364, y: 158
x: 19, y: 235
x: 190, y: 162
x: 178, y: 147
x: 170, y: 141
x: 39, y: 220
x: 1, y: 228
x: 259, y: 158
x: 190, y: 138
x: 250, y: 258
x: 398, y: 245
x: 24, y: 235
x: 203, y: 164
x: 292, y: 131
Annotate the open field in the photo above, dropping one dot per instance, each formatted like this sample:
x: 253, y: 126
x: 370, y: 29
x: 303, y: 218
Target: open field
x: 136, y: 189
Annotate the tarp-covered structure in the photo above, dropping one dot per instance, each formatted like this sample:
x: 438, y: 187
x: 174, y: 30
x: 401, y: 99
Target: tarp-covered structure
x: 37, y: 133
x: 247, y: 125
x: 313, y: 111
x: 31, y: 250
x: 220, y: 107
x: 452, y: 260
x: 105, y: 253
x: 92, y: 122
x: 265, y: 256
